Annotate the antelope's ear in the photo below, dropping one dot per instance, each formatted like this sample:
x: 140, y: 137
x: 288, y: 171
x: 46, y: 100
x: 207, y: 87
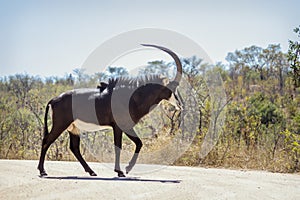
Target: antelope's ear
x: 165, y: 81
x: 103, y: 84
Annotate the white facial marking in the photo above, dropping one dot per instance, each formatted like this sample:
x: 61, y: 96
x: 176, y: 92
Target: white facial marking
x: 172, y: 100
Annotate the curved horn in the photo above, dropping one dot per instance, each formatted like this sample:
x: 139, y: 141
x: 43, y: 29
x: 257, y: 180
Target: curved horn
x: 174, y: 56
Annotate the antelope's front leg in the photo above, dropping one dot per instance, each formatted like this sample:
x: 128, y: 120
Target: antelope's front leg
x: 117, y: 162
x: 138, y: 145
x: 118, y: 148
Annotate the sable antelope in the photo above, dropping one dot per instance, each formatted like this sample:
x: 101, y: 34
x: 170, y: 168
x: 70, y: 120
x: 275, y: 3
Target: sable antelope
x: 120, y: 103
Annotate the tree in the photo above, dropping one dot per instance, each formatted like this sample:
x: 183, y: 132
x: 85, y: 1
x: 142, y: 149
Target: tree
x: 112, y: 72
x: 21, y: 84
x: 241, y: 61
x: 193, y: 67
x: 256, y: 64
x: 294, y: 58
x: 80, y: 76
x: 157, y: 67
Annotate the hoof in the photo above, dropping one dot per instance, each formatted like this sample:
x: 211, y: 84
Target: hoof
x: 92, y: 173
x: 43, y: 173
x: 120, y: 173
x: 128, y: 169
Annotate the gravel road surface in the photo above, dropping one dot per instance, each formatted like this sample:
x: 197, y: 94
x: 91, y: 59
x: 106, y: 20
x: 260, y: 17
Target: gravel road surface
x: 67, y: 180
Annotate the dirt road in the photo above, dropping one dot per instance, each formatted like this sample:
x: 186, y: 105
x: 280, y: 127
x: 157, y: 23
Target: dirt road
x: 67, y: 180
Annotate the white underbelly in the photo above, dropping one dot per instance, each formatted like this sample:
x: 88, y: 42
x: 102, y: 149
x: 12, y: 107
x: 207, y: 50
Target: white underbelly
x: 79, y: 125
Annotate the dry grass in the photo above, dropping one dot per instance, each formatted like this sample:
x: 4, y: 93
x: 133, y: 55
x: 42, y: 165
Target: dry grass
x: 224, y: 154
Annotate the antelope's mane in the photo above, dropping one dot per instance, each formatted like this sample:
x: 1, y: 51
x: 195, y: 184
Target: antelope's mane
x: 134, y: 82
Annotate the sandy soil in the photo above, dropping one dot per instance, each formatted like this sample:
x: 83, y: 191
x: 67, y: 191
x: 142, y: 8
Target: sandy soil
x: 67, y: 180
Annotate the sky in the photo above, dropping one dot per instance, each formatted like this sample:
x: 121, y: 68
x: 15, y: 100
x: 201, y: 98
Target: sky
x: 52, y: 38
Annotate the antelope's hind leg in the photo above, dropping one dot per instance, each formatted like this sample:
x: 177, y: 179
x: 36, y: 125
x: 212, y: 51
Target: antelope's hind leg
x: 75, y: 148
x: 47, y: 141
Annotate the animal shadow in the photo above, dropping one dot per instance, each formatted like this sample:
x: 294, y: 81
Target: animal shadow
x: 125, y: 179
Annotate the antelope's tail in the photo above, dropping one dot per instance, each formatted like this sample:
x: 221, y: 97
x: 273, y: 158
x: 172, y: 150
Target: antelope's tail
x: 46, y: 132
